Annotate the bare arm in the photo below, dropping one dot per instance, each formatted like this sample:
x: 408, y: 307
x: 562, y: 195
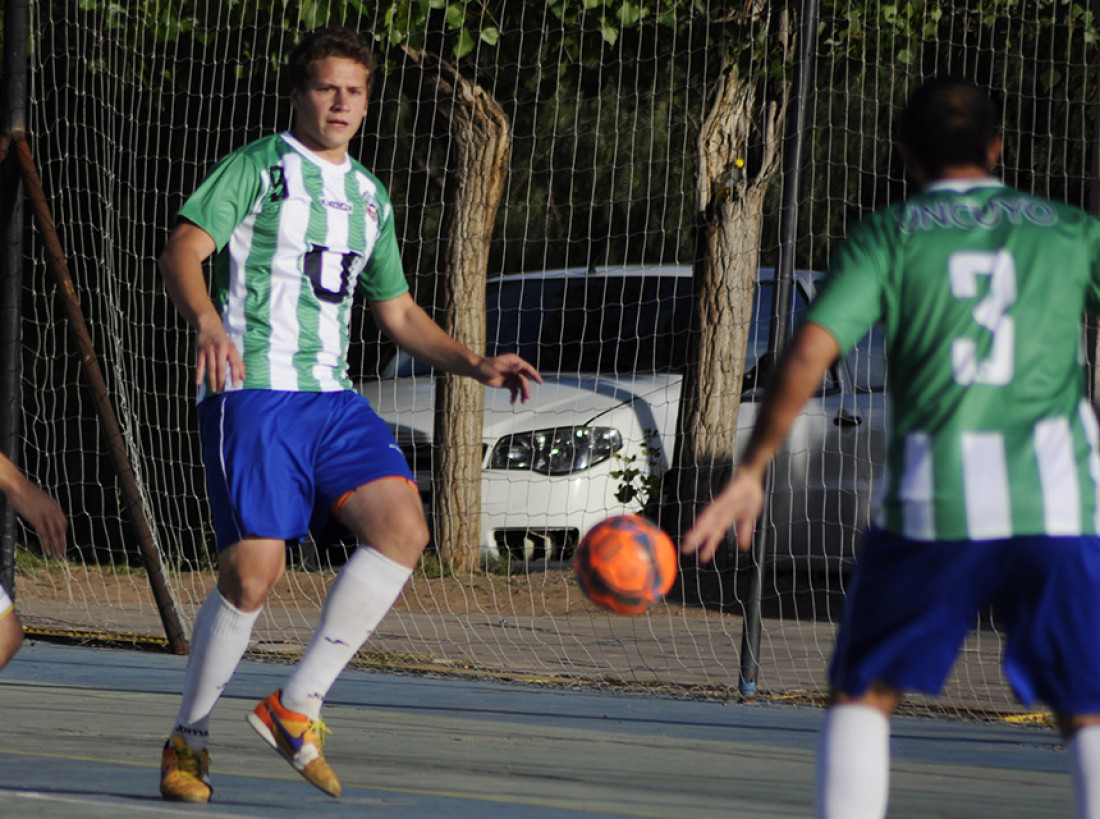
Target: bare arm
x: 36, y: 507
x: 218, y: 359
x: 403, y: 320
x: 797, y: 377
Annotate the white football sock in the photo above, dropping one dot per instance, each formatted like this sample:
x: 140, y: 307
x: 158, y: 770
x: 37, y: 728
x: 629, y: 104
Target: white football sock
x: 853, y: 763
x: 358, y: 599
x: 219, y: 640
x: 1084, y: 770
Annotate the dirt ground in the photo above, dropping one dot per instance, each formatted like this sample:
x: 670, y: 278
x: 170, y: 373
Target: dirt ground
x: 534, y: 625
x: 546, y: 589
x: 539, y: 588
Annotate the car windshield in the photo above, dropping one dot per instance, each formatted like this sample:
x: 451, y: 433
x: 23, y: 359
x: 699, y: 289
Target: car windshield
x: 604, y: 324
x: 611, y: 325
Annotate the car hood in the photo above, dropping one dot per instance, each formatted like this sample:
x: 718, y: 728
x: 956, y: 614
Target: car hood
x: 409, y: 403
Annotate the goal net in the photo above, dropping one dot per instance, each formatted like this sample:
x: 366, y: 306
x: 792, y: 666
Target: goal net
x: 608, y: 109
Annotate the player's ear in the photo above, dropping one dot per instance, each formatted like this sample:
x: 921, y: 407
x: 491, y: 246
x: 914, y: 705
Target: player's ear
x: 993, y: 152
x: 295, y: 99
x: 912, y: 166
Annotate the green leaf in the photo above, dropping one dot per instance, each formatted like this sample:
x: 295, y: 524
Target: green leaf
x: 464, y: 45
x: 626, y: 494
x: 456, y: 16
x: 609, y: 32
x: 629, y: 13
x: 1050, y: 79
x: 490, y: 35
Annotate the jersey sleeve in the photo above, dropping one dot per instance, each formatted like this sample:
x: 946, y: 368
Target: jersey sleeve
x: 1092, y: 295
x: 224, y: 198
x: 383, y: 277
x: 852, y: 299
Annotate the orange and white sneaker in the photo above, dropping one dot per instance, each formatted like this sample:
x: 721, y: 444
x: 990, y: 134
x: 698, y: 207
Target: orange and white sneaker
x: 298, y: 739
x: 184, y: 772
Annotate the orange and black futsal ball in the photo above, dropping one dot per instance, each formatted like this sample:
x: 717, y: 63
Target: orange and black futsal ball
x: 625, y: 564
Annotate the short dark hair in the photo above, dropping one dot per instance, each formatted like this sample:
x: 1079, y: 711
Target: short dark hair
x: 948, y: 121
x: 333, y: 41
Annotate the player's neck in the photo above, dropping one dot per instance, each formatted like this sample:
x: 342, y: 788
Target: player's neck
x: 333, y: 154
x: 962, y: 172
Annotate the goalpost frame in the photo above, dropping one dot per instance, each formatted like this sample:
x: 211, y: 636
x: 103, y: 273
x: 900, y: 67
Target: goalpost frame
x: 17, y: 165
x: 16, y: 33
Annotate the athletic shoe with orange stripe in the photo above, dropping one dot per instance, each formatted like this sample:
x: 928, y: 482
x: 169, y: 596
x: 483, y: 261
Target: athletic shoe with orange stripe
x: 298, y: 739
x: 183, y: 772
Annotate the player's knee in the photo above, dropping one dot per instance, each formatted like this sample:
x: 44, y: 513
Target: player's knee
x: 11, y: 637
x: 247, y: 592
x: 404, y: 541
x: 412, y: 535
x: 879, y: 695
x: 1070, y: 724
x: 17, y: 634
x: 419, y: 535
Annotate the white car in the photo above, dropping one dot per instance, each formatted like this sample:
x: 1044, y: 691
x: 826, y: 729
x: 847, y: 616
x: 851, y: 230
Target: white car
x: 611, y: 344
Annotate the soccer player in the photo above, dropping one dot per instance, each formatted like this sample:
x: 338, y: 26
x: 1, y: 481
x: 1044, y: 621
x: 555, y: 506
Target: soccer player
x: 294, y: 224
x: 44, y: 514
x: 993, y: 465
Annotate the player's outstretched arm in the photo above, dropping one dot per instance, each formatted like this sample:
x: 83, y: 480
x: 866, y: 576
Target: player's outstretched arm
x: 217, y: 359
x: 403, y: 320
x: 36, y: 507
x: 796, y: 378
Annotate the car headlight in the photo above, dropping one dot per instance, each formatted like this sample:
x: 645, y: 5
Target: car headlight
x: 557, y: 451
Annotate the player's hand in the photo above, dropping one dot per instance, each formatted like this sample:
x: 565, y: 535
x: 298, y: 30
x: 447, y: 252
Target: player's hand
x: 43, y: 513
x: 218, y: 360
x: 509, y: 372
x: 739, y: 504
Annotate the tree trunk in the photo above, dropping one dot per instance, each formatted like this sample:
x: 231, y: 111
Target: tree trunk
x: 738, y: 153
x: 480, y: 147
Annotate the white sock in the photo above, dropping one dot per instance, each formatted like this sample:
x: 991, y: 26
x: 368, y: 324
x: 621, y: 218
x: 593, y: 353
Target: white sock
x: 358, y: 599
x: 218, y: 642
x: 853, y: 763
x: 1084, y: 770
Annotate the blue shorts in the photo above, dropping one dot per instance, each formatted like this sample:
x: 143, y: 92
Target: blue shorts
x: 912, y: 603
x: 276, y: 462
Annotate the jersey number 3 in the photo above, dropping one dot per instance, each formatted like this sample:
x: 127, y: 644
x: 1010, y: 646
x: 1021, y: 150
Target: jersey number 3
x: 965, y: 268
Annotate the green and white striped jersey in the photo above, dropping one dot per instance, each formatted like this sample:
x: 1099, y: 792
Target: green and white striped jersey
x: 294, y: 233
x: 980, y: 290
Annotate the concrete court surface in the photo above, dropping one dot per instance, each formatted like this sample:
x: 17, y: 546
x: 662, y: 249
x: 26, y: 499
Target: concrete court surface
x: 82, y: 730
